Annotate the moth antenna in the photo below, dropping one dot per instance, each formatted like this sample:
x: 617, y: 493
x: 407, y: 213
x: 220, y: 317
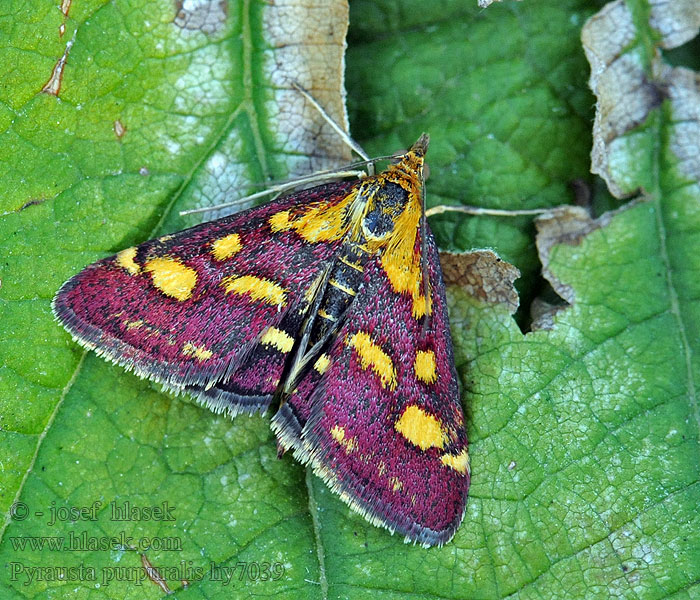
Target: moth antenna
x: 344, y: 135
x: 290, y: 184
x: 350, y: 166
x: 320, y: 176
x: 277, y: 189
x: 477, y: 210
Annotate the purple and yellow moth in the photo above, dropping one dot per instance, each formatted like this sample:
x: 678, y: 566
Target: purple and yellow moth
x: 328, y: 305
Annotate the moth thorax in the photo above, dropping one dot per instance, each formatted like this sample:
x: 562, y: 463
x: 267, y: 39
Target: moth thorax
x: 387, y: 202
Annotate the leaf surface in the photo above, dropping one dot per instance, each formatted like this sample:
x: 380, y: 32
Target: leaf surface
x: 584, y: 435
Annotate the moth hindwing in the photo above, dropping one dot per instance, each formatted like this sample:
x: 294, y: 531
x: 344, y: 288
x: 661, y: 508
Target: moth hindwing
x: 327, y: 304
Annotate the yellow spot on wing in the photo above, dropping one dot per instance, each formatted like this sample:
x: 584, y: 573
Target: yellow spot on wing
x: 258, y: 288
x: 419, y: 305
x: 226, y: 247
x: 322, y: 363
x: 280, y: 221
x: 318, y: 222
x: 278, y: 338
x: 125, y: 259
x: 420, y: 428
x: 458, y: 462
x: 338, y: 434
x: 198, y: 352
x: 424, y: 366
x: 406, y: 277
x: 172, y: 277
x: 324, y: 221
x: 371, y: 355
x: 396, y: 483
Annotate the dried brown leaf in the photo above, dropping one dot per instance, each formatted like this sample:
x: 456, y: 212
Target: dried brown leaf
x: 630, y: 80
x: 308, y: 47
x: 483, y: 275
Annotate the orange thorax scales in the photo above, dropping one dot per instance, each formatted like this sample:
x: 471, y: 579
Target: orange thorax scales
x: 368, y: 218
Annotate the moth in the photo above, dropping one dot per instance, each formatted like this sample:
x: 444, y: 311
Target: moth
x: 328, y: 306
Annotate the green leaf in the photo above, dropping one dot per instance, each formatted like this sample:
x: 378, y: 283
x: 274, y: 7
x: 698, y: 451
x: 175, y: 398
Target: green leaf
x: 584, y: 437
x: 115, y: 116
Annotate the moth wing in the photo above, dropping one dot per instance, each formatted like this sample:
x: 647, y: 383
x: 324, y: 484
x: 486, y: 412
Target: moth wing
x: 383, y: 424
x: 187, y: 310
